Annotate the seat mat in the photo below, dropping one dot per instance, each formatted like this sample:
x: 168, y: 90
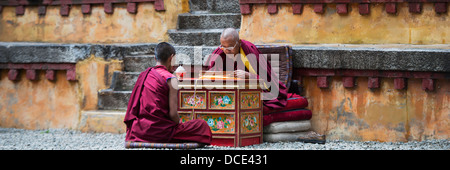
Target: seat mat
x: 291, y: 115
x: 131, y: 144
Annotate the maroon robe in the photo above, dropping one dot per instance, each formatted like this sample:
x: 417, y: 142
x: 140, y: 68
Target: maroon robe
x: 147, y: 117
x: 259, y: 63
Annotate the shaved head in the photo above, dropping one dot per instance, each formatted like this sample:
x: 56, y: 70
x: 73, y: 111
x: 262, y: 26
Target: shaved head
x: 230, y: 39
x: 230, y: 34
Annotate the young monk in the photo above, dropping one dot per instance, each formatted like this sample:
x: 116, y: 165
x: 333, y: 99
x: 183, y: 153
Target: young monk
x: 152, y: 109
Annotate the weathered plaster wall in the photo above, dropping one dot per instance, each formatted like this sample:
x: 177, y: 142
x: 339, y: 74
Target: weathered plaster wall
x: 39, y: 104
x: 43, y: 104
x: 383, y: 114
x: 378, y: 27
x: 94, y: 74
x: 147, y: 25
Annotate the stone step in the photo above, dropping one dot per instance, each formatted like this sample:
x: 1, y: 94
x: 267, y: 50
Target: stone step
x: 113, y: 100
x: 193, y: 55
x: 102, y: 121
x: 138, y: 63
x: 124, y: 81
x: 209, y: 20
x: 218, y: 6
x: 195, y: 37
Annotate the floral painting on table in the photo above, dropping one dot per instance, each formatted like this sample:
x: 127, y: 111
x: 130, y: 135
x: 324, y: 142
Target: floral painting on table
x: 250, y: 100
x: 188, y: 100
x: 185, y: 116
x: 222, y: 100
x: 219, y: 123
x: 250, y: 122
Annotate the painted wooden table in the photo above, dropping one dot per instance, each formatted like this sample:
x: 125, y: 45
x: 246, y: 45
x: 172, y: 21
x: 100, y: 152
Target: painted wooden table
x: 232, y: 108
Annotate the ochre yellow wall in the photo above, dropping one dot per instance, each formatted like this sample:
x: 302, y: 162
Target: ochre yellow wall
x: 95, y: 74
x: 383, y: 114
x: 44, y: 104
x: 40, y: 104
x: 146, y: 26
x: 378, y: 27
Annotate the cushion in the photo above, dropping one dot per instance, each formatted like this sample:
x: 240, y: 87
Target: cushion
x: 288, y: 126
x: 299, y: 114
x: 294, y: 101
x: 284, y: 67
x: 284, y: 137
x: 306, y: 136
x: 131, y: 144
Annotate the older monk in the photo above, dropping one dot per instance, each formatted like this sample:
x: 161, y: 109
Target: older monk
x: 152, y: 109
x: 234, y: 52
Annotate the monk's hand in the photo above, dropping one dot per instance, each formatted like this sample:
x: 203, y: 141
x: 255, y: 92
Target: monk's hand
x: 241, y: 74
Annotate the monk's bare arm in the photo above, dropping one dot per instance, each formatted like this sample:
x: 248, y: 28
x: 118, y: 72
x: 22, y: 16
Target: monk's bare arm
x: 173, y: 101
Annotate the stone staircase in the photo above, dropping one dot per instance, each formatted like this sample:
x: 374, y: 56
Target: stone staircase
x: 196, y: 36
x: 205, y: 21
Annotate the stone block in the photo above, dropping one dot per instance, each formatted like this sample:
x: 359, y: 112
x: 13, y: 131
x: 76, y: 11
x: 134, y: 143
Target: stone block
x: 209, y: 21
x: 113, y: 100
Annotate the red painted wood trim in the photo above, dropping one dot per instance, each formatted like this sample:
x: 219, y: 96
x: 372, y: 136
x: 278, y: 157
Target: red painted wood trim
x: 297, y: 8
x: 391, y: 8
x: 319, y: 8
x: 370, y: 73
x: 64, y: 11
x: 322, y: 82
x: 391, y: 5
x: 415, y: 7
x: 86, y: 8
x: 364, y: 9
x: 38, y: 66
x: 373, y: 82
x: 20, y: 10
x: 246, y: 9
x: 31, y: 68
x: 31, y: 75
x: 331, y: 1
x: 108, y: 8
x: 131, y: 7
x: 428, y: 84
x: 42, y: 10
x: 159, y: 5
x: 440, y: 7
x: 13, y: 74
x: 71, y: 75
x: 348, y: 77
x: 50, y: 75
x: 341, y: 8
x: 348, y: 82
x: 20, y: 5
x: 399, y: 83
x: 272, y: 8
